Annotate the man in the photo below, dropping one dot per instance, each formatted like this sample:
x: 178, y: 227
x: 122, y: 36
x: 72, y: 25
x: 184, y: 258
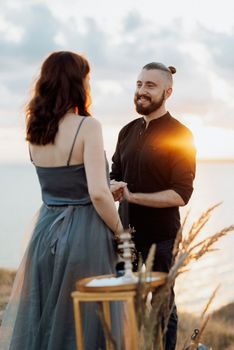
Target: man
x: 155, y: 156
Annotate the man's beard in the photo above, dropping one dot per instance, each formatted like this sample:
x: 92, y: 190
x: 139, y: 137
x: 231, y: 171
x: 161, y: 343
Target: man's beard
x: 152, y: 107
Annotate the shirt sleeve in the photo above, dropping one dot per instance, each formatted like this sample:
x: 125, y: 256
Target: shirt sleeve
x: 116, y: 172
x: 183, y: 167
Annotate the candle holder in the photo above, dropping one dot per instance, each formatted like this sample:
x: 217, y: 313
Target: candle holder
x: 126, y: 245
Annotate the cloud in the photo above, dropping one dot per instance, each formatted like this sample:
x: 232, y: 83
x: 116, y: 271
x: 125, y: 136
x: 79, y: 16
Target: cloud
x: 117, y: 60
x: 132, y: 22
x: 20, y: 58
x: 221, y: 48
x: 39, y: 28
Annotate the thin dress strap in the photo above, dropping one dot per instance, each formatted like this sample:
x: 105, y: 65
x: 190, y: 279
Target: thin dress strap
x: 73, y: 144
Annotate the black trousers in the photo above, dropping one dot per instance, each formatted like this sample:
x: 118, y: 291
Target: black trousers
x: 163, y: 262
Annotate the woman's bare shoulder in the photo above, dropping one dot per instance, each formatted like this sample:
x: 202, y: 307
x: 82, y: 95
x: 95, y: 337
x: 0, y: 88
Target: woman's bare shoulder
x: 89, y: 123
x: 92, y: 124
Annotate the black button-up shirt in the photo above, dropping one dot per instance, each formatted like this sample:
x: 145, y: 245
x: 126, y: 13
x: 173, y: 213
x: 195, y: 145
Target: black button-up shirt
x: 153, y: 159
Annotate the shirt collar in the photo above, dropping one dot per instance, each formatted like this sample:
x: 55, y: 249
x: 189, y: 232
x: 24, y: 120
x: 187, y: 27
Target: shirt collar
x: 157, y: 121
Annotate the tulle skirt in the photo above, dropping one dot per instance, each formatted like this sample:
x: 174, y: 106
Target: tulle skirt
x: 67, y: 244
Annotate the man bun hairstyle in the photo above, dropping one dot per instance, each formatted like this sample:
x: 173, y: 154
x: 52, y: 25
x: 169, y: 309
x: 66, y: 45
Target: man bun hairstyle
x: 160, y: 66
x: 167, y: 71
x: 172, y: 69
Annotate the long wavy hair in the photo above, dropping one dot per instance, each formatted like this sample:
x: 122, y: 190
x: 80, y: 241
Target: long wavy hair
x: 59, y: 88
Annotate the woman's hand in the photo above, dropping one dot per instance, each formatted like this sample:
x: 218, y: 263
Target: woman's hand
x: 117, y: 189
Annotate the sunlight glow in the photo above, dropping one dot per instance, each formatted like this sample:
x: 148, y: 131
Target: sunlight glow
x: 211, y: 142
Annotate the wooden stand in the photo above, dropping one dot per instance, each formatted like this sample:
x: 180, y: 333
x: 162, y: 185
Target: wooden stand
x: 105, y: 294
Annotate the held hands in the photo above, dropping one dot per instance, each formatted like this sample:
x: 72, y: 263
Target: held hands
x: 120, y: 191
x: 117, y: 189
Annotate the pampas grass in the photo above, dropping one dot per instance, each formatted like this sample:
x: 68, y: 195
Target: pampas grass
x: 153, y: 322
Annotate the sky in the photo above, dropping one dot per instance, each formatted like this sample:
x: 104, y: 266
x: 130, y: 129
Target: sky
x: 118, y: 38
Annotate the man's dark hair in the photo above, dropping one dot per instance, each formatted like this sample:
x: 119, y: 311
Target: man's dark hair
x: 160, y: 66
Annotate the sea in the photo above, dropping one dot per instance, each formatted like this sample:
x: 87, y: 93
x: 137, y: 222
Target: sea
x: 20, y: 199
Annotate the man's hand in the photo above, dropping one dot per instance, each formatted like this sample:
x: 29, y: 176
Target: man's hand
x: 127, y: 194
x: 117, y: 189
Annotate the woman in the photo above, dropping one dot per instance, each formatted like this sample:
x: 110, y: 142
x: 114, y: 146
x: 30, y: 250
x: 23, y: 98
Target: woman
x: 74, y: 233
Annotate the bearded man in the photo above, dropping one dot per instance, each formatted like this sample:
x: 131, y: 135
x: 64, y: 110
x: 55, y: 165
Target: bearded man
x: 155, y: 156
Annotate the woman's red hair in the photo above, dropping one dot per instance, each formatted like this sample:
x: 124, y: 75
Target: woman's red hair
x: 59, y: 88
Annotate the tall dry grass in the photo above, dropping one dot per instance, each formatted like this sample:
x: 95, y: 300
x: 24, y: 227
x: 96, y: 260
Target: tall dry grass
x: 152, y: 322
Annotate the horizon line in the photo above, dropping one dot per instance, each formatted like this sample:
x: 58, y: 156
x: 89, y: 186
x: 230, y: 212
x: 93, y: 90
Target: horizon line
x: 199, y: 160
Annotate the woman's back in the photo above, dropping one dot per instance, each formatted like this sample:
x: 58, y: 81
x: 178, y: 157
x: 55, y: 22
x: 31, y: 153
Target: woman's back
x: 62, y: 183
x: 67, y: 148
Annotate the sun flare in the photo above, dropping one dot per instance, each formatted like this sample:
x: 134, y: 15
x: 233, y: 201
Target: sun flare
x: 212, y: 142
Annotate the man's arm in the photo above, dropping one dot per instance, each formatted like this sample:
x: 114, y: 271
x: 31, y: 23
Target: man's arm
x: 183, y: 168
x: 163, y: 199
x: 116, y: 185
x: 116, y: 172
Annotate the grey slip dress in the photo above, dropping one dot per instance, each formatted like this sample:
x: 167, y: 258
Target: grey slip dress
x: 69, y: 241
